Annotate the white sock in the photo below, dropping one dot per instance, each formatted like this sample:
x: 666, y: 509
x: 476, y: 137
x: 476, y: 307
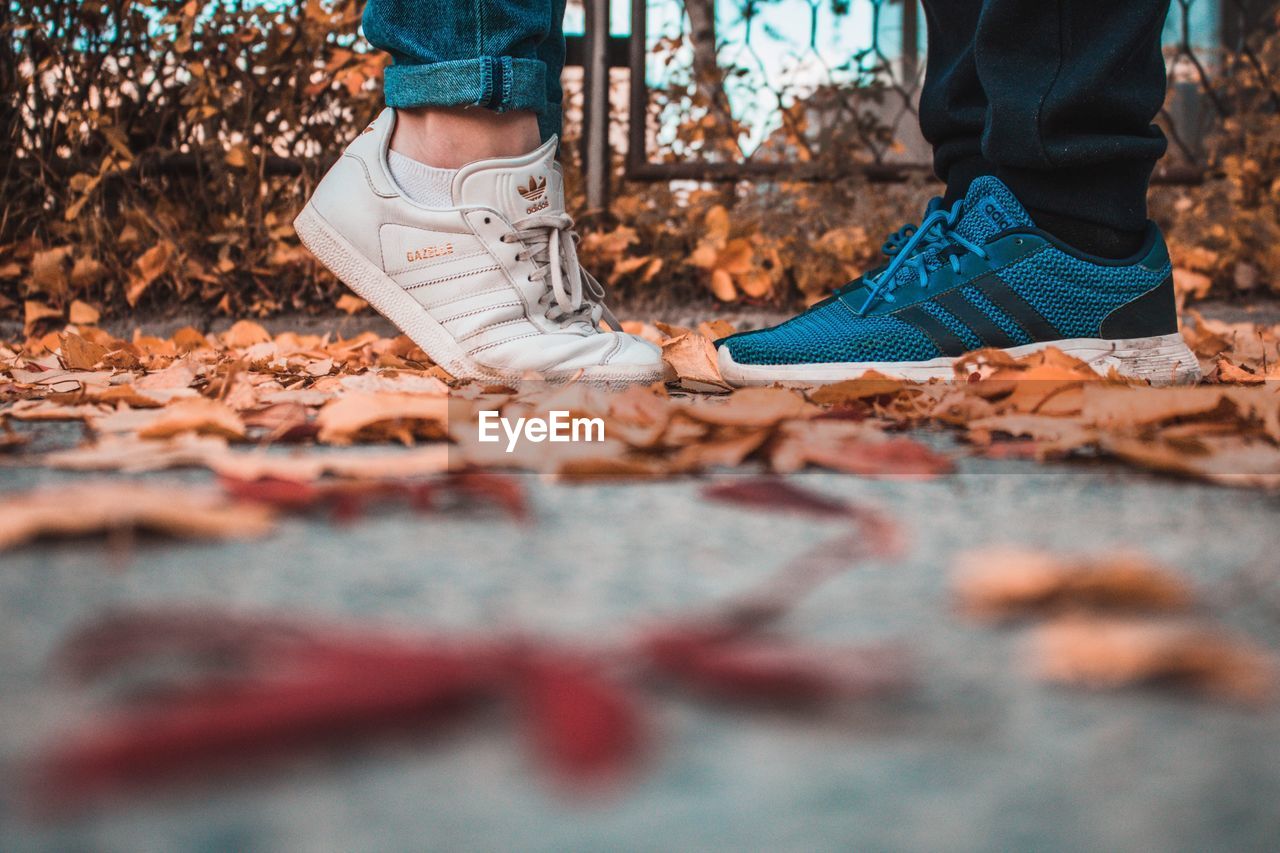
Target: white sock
x: 420, y: 182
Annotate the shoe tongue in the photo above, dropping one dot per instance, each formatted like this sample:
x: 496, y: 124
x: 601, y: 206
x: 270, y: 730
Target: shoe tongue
x: 514, y: 186
x: 989, y: 208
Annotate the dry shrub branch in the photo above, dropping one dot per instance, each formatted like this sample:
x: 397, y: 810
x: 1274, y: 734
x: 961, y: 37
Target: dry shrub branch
x: 155, y: 153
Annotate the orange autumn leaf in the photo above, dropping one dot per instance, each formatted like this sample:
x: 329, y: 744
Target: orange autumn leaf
x: 198, y: 415
x: 349, y: 303
x: 1003, y: 583
x: 113, y: 507
x: 82, y: 313
x: 152, y: 264
x: 1114, y: 652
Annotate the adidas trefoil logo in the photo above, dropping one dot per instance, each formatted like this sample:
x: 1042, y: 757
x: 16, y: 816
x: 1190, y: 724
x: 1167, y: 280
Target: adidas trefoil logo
x: 536, y: 189
x: 535, y: 192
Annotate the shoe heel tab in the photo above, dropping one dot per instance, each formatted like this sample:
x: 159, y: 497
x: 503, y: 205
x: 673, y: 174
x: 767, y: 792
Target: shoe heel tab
x: 370, y: 148
x: 1155, y: 252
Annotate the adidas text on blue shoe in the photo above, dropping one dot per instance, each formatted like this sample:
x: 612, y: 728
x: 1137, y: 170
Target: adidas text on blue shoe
x: 978, y: 275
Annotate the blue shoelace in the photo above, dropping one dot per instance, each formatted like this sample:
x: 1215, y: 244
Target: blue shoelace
x: 936, y: 230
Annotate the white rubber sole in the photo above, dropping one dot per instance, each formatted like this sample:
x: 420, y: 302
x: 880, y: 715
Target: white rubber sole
x: 374, y: 286
x: 1162, y: 360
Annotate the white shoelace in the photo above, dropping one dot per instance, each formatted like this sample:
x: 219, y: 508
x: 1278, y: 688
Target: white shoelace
x: 552, y: 246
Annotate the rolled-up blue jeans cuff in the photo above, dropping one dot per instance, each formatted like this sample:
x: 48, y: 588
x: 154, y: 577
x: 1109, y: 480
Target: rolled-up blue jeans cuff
x: 499, y: 83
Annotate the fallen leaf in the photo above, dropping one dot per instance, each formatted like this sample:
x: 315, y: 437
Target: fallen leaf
x: 83, y: 314
x: 351, y: 304
x: 199, y: 415
x: 1107, y: 653
x: 751, y: 407
x: 34, y: 312
x: 772, y: 670
x: 152, y: 264
x: 110, y: 507
x: 79, y: 354
x: 692, y: 359
x: 370, y: 417
x: 1007, y: 583
x: 586, y: 728
x: 776, y: 493
x: 244, y: 334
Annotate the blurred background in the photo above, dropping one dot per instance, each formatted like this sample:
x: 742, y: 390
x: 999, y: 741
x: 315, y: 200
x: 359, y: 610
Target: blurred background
x: 189, y: 133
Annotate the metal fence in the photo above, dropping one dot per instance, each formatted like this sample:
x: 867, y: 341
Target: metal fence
x: 819, y: 87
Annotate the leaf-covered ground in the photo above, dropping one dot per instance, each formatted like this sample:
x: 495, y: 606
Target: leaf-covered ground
x: 361, y: 566
x: 220, y: 401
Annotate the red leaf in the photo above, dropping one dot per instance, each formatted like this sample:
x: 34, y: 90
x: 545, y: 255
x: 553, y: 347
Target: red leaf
x: 587, y: 728
x: 772, y: 670
x: 772, y: 493
x: 348, y: 500
x: 329, y: 692
x: 498, y: 489
x: 288, y: 495
x: 131, y: 638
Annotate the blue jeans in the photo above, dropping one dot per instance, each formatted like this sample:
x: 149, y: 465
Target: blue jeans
x: 499, y: 54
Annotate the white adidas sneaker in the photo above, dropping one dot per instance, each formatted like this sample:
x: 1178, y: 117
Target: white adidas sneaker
x: 491, y: 288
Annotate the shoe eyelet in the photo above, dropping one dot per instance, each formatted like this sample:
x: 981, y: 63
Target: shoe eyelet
x: 487, y: 220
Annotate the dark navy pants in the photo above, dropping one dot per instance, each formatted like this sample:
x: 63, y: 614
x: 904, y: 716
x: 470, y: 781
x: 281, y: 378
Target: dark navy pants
x: 1054, y: 97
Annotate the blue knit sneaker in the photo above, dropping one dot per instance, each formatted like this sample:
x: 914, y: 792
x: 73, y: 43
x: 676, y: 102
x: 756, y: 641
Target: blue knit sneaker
x: 975, y: 276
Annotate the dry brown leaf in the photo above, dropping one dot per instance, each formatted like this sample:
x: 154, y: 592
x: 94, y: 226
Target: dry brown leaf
x: 199, y: 415
x: 722, y: 453
x: 113, y: 507
x: 34, y: 312
x: 1228, y: 371
x: 82, y: 313
x: 349, y: 303
x: 870, y: 384
x: 1229, y: 460
x: 151, y: 265
x: 244, y: 334
x: 722, y: 285
x: 356, y: 464
x: 692, y: 358
x: 1107, y: 653
x: 385, y: 416
x: 45, y: 410
x: 854, y: 448
x: 129, y: 454
x: 1054, y: 433
x: 1118, y: 407
x: 751, y: 407
x: 49, y: 271
x: 79, y: 354
x: 1008, y: 582
x: 714, y: 330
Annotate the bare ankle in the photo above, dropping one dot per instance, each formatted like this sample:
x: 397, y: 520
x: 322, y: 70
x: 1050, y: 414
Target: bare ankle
x: 451, y: 137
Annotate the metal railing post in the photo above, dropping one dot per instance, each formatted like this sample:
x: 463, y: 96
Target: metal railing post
x: 595, y: 117
x: 910, y: 41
